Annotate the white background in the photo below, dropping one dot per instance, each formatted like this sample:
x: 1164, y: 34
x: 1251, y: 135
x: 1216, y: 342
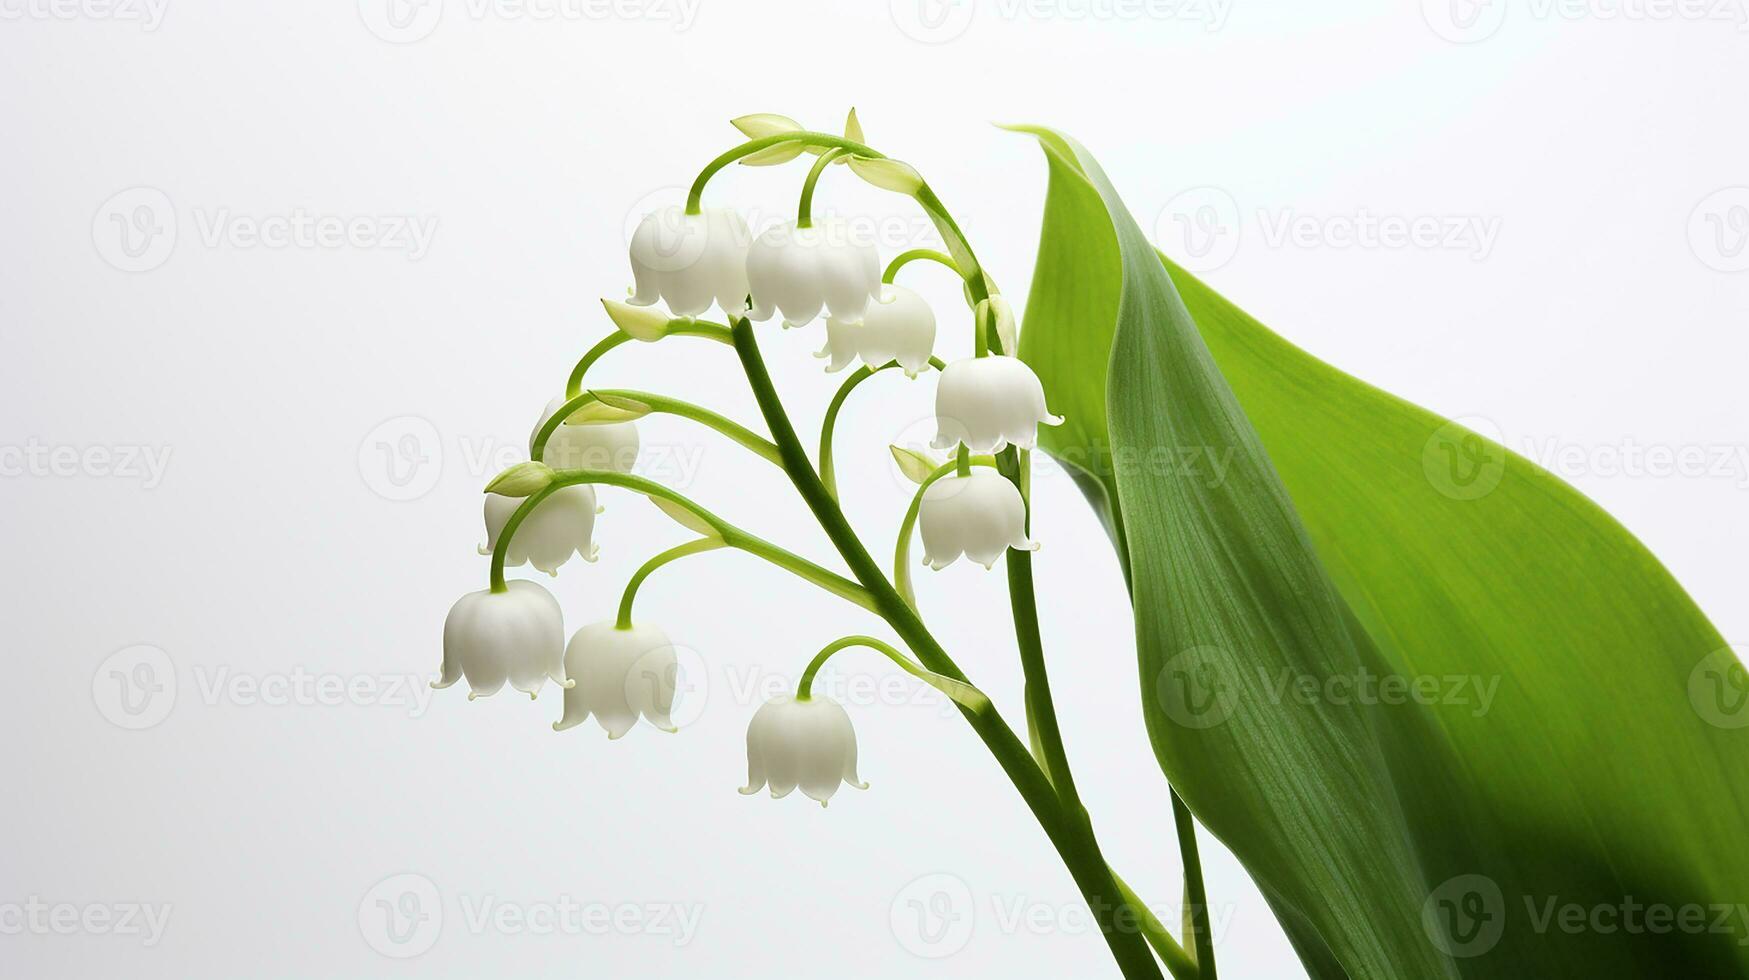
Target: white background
x: 272, y: 547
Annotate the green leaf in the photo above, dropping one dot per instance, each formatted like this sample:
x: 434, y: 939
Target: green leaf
x: 521, y: 480
x: 915, y: 465
x: 759, y: 125
x: 1308, y: 534
x: 887, y: 173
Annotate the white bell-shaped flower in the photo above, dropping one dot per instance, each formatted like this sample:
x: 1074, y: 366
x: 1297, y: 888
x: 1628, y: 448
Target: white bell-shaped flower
x: 897, y: 326
x: 560, y: 526
x: 590, y: 445
x: 491, y: 637
x: 620, y: 675
x: 979, y: 516
x: 793, y: 743
x: 690, y: 260
x: 799, y: 271
x: 988, y: 403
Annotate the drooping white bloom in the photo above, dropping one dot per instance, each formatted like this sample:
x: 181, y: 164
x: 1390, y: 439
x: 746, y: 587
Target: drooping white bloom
x: 590, y: 445
x: 988, y: 403
x: 620, y: 675
x: 897, y: 326
x: 793, y: 743
x: 516, y: 635
x: 799, y: 271
x: 560, y: 526
x: 980, y: 516
x: 690, y: 260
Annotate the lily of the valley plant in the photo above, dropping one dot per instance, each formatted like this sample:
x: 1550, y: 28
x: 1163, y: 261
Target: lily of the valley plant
x: 1346, y: 535
x: 685, y: 263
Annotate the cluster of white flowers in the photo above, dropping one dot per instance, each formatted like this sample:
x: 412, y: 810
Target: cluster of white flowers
x: 690, y: 260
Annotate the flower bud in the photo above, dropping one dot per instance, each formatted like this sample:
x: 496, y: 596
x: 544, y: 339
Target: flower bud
x: 516, y: 635
x: 980, y: 516
x: 793, y: 743
x: 561, y: 525
x: 897, y: 326
x: 590, y: 445
x: 797, y: 271
x: 988, y: 403
x: 620, y: 675
x: 690, y: 260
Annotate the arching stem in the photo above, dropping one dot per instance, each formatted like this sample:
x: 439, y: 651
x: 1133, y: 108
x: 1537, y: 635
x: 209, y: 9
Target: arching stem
x: 677, y: 327
x: 804, y: 211
x: 731, y: 535
x: 929, y: 254
x: 861, y: 374
x: 624, y: 621
x: 736, y: 432
x: 962, y: 693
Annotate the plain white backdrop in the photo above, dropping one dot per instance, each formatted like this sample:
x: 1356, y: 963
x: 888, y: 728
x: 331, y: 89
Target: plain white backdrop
x: 284, y: 284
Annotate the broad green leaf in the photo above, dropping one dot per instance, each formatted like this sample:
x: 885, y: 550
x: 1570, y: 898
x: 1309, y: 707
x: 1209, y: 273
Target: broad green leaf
x: 1280, y: 520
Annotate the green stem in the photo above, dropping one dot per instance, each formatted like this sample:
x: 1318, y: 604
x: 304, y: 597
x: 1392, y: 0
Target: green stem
x: 905, y: 258
x: 737, y: 432
x: 902, y: 551
x: 1178, y: 962
x: 857, y: 377
x: 1195, y: 898
x: 678, y: 327
x: 805, y: 210
x: 962, y: 693
x: 731, y: 535
x: 982, y: 328
x: 690, y: 548
x: 1077, y: 848
x: 754, y: 146
x: 957, y: 246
